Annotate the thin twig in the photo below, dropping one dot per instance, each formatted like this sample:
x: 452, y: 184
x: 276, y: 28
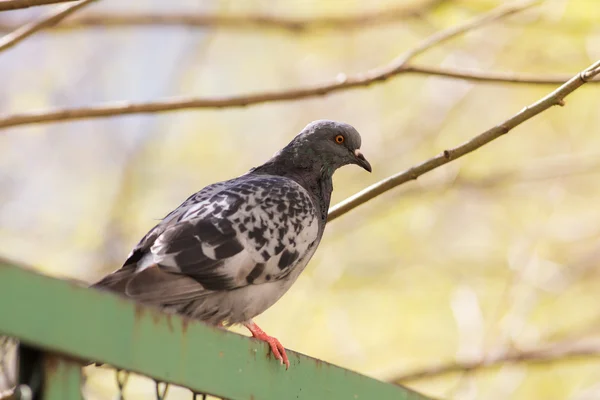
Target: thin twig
x: 6, y: 5
x: 554, y: 98
x: 575, y: 165
x: 343, y: 82
x: 490, y: 76
x: 442, y: 36
x: 545, y: 170
x: 250, y: 21
x: 52, y: 18
x: 546, y: 354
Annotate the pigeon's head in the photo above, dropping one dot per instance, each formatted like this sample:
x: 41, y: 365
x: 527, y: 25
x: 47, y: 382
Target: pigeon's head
x: 328, y: 145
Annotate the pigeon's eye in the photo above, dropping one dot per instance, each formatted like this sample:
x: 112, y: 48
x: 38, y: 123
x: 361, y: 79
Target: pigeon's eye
x: 339, y: 139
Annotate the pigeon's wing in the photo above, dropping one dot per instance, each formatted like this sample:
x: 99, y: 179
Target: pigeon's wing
x: 251, y: 231
x: 171, y: 219
x: 118, y: 280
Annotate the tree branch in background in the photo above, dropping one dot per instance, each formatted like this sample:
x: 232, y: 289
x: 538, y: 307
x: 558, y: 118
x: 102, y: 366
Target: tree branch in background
x: 442, y: 36
x: 6, y: 5
x: 542, y: 171
x: 52, y: 18
x: 343, y: 82
x: 546, y: 354
x: 250, y: 21
x: 554, y: 98
x: 490, y: 76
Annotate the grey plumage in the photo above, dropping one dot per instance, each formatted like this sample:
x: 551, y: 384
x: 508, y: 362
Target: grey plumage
x: 231, y: 250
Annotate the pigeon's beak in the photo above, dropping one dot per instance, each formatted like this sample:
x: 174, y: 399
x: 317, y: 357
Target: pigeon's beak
x: 361, y: 160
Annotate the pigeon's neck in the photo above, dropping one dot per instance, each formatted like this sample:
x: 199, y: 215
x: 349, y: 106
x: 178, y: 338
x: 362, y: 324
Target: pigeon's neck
x: 322, y: 190
x: 316, y: 179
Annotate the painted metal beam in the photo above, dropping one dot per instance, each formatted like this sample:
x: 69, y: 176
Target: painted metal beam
x: 65, y: 317
x: 62, y: 378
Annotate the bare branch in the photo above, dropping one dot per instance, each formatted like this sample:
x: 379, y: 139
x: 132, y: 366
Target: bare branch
x: 547, y: 354
x: 52, y: 18
x: 576, y: 165
x: 554, y: 98
x: 343, y: 82
x: 6, y: 5
x: 250, y: 21
x: 442, y: 36
x: 490, y: 76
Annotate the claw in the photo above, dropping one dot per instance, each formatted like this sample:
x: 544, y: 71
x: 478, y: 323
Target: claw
x: 276, y: 347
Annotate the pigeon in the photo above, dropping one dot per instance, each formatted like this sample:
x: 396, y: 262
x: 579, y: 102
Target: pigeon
x: 231, y: 250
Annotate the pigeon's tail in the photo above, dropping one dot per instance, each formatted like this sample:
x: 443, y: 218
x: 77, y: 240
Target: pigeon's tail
x: 116, y: 281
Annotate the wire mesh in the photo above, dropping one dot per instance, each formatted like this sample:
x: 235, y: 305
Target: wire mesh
x: 125, y: 385
x: 131, y: 386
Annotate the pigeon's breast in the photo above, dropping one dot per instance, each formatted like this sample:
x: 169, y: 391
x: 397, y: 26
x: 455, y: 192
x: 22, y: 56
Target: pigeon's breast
x: 242, y: 304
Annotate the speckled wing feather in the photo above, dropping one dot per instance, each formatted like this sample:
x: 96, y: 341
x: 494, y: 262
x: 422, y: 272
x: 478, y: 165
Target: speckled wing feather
x: 252, y: 230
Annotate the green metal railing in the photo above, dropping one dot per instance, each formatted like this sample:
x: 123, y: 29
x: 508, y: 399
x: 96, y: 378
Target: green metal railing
x: 60, y: 324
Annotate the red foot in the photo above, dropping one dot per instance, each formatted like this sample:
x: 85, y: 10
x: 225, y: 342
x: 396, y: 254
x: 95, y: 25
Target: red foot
x: 276, y: 346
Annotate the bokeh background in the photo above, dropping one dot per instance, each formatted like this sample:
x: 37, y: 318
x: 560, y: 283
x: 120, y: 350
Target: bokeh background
x: 498, y: 251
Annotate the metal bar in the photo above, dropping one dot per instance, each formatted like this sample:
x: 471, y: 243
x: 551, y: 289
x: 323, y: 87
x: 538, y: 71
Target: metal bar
x: 68, y: 318
x: 62, y: 378
x: 31, y: 370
